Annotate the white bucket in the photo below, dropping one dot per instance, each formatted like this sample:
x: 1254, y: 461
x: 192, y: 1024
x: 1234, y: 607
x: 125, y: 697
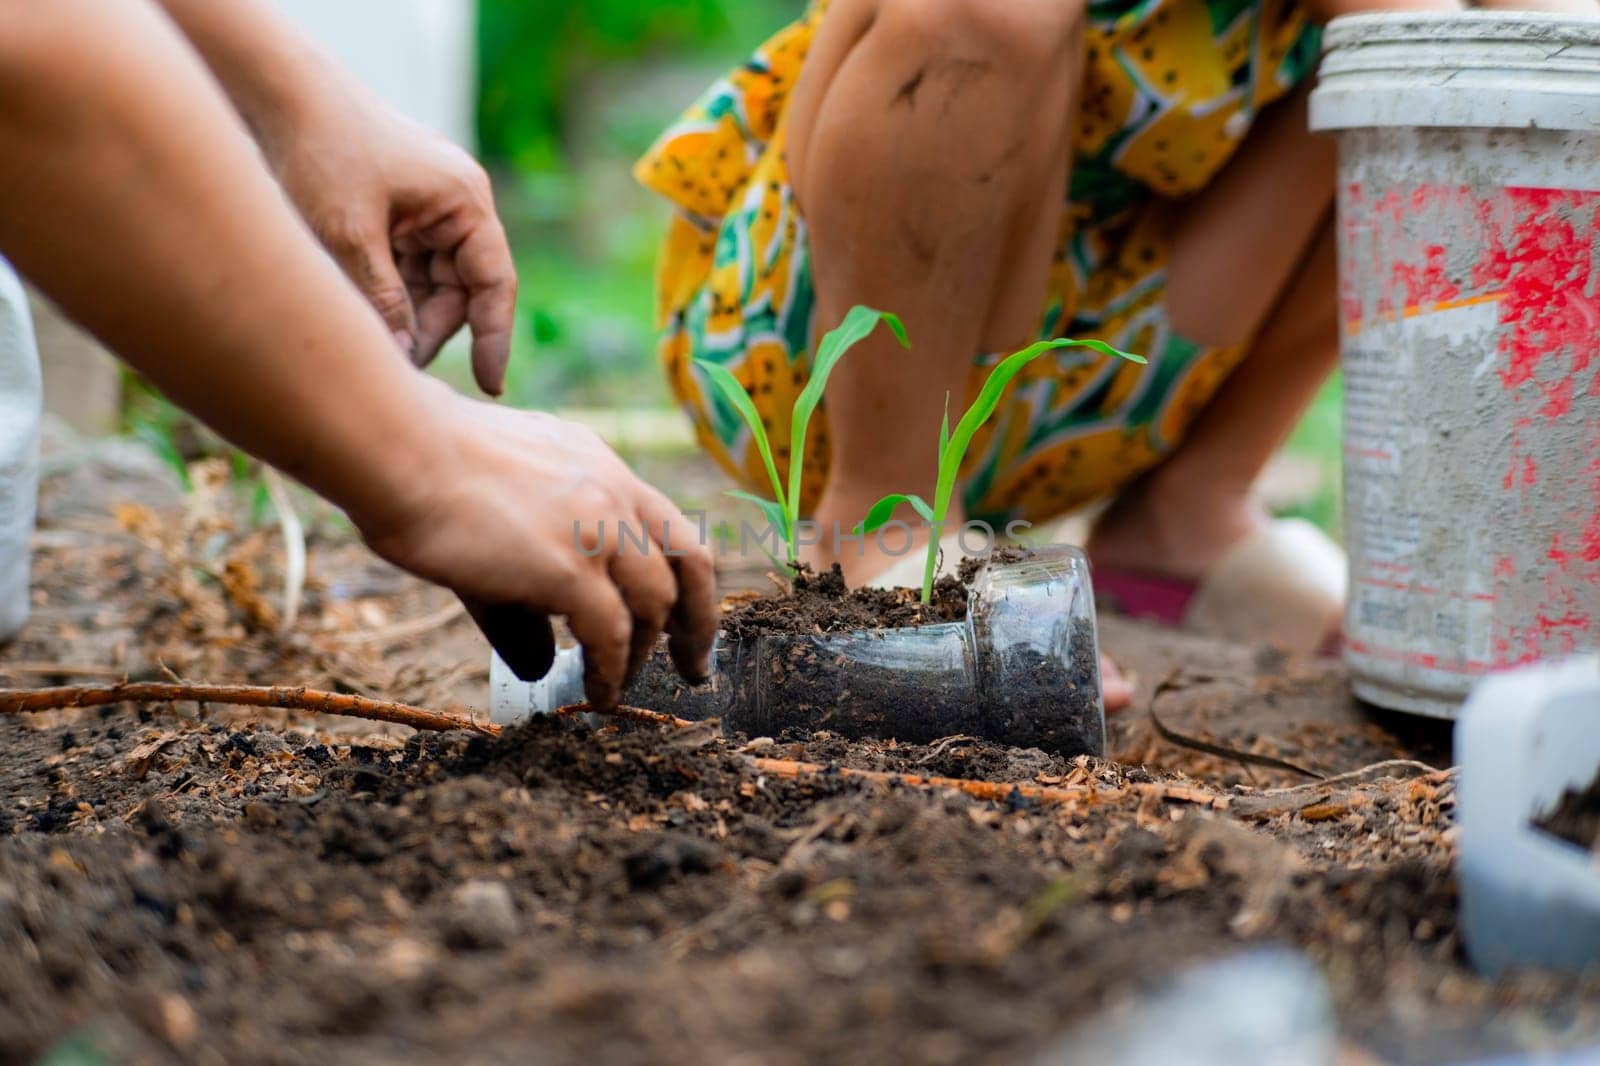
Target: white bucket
x: 19, y: 449
x: 1469, y: 287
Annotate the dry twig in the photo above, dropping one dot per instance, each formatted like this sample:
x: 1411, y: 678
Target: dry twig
x: 411, y: 627
x: 631, y: 714
x: 26, y: 701
x: 1366, y: 774
x: 1244, y: 758
x: 992, y: 791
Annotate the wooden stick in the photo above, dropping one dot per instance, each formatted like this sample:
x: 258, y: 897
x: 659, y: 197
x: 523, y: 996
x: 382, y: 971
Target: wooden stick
x: 632, y: 714
x: 993, y: 791
x: 27, y: 701
x: 1245, y: 758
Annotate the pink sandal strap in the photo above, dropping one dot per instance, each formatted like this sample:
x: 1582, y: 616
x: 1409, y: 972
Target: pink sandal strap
x: 1146, y: 597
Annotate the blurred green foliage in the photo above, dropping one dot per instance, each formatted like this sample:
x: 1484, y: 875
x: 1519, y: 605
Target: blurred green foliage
x: 1319, y: 438
x: 532, y: 52
x: 570, y: 95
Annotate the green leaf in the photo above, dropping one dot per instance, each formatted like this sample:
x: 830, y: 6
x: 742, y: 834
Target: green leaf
x: 955, y: 449
x: 1105, y: 349
x: 734, y: 393
x: 858, y: 324
x: 159, y: 440
x: 944, y: 426
x: 770, y: 509
x: 884, y: 509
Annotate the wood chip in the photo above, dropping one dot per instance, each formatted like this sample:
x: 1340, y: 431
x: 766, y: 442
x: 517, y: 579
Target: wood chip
x: 1323, y: 812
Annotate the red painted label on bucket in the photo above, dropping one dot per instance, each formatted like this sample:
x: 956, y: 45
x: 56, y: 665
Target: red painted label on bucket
x: 1421, y: 268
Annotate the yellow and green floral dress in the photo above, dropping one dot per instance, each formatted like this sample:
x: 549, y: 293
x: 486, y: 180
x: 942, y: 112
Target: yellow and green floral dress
x: 1171, y: 88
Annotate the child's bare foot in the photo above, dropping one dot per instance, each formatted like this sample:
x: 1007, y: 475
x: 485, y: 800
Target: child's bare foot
x: 1116, y: 689
x: 1184, y: 553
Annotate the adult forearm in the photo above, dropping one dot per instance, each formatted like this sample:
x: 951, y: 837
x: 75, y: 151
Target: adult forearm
x: 129, y: 193
x: 271, y: 71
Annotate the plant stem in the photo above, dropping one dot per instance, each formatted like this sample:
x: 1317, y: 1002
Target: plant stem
x: 931, y: 563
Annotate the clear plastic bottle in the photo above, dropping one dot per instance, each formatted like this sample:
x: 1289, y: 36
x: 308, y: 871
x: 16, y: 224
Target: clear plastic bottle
x: 1022, y: 669
x: 20, y: 393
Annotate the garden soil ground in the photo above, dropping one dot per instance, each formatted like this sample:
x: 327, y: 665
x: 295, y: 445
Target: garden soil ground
x: 199, y: 884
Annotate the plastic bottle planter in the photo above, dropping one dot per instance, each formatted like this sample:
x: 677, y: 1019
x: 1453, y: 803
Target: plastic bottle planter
x: 1022, y: 669
x: 1528, y: 898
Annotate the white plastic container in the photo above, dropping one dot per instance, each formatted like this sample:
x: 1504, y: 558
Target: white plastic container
x: 19, y: 449
x: 1528, y: 898
x: 1469, y: 205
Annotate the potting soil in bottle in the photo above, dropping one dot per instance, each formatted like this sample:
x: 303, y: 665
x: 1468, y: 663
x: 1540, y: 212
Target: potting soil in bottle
x: 1023, y: 669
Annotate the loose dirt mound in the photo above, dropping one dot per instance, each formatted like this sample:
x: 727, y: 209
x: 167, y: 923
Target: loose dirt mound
x: 645, y: 896
x: 821, y: 603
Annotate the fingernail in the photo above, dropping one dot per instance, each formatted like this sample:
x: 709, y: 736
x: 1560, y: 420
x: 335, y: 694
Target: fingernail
x: 407, y: 342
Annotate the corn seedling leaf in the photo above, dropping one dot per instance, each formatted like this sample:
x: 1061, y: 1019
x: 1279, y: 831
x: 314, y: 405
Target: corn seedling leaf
x: 160, y: 441
x: 740, y: 401
x: 772, y: 510
x: 884, y: 509
x: 944, y: 426
x: 953, y: 446
x: 858, y: 324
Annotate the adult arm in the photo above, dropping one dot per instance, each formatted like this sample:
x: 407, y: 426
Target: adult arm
x: 408, y: 215
x: 130, y: 193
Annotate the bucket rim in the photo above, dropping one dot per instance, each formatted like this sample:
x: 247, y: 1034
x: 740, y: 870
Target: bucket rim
x: 1405, y: 27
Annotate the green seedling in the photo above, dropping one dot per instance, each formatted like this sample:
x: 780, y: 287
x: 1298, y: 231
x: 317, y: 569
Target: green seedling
x: 783, y: 510
x: 953, y: 448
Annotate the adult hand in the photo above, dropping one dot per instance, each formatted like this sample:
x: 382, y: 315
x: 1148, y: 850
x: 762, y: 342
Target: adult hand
x: 409, y: 216
x: 522, y: 509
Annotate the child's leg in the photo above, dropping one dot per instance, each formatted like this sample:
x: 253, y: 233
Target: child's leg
x: 1252, y: 255
x: 929, y: 147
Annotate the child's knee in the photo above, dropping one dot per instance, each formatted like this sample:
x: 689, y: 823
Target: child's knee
x: 971, y: 39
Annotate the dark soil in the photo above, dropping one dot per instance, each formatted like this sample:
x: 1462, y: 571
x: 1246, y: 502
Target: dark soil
x: 821, y: 603
x: 197, y: 885
x: 205, y: 893
x: 1576, y: 818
